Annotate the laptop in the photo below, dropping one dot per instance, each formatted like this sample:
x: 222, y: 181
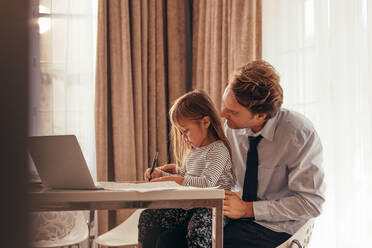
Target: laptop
x: 60, y: 162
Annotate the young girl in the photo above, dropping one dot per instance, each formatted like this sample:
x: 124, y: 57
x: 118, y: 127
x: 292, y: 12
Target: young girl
x: 203, y: 159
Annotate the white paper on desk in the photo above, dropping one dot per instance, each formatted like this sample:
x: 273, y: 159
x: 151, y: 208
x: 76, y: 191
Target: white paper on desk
x: 146, y: 187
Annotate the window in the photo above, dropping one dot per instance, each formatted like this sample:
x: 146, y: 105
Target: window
x: 63, y: 51
x: 322, y: 49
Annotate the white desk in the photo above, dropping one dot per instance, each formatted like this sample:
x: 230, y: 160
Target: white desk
x: 42, y: 199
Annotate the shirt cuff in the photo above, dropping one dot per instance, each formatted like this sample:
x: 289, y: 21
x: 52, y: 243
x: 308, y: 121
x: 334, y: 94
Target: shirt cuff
x: 260, y: 210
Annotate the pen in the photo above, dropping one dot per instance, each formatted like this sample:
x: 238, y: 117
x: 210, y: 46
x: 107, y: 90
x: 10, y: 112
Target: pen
x: 154, y: 162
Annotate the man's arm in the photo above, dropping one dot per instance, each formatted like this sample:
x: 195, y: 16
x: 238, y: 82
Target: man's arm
x: 305, y: 181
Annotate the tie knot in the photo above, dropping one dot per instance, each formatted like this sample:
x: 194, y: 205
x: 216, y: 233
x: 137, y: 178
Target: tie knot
x: 253, y: 141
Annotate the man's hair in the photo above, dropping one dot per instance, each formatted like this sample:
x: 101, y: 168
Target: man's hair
x: 256, y: 87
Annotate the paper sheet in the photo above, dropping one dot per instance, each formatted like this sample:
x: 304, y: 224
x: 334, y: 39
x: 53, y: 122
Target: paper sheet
x: 147, y: 187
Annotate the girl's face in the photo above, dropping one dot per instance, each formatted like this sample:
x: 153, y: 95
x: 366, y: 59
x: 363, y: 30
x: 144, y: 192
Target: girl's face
x: 196, y: 133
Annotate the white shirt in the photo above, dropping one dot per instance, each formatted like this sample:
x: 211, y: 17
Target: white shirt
x: 291, y: 184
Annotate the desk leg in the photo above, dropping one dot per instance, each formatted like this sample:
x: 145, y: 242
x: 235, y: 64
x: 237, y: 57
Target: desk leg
x: 217, y: 232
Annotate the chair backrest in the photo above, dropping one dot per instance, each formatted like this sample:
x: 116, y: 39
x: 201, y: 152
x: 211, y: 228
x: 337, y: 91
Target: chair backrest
x: 54, y: 229
x: 301, y: 238
x: 122, y: 235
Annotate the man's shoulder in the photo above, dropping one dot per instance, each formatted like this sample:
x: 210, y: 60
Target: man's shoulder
x: 293, y: 122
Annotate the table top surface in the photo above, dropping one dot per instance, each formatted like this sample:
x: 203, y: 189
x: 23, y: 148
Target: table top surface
x: 39, y: 193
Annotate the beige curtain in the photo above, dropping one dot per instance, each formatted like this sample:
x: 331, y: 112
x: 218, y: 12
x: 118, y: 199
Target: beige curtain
x: 226, y: 35
x: 131, y: 100
x: 148, y: 54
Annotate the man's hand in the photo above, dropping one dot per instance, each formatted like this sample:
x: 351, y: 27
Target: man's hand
x: 235, y: 208
x: 177, y: 179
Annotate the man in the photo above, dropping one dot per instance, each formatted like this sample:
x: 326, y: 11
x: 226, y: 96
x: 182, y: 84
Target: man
x: 277, y: 158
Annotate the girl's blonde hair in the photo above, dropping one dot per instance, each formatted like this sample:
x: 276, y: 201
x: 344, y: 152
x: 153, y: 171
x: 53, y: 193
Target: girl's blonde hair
x: 194, y: 105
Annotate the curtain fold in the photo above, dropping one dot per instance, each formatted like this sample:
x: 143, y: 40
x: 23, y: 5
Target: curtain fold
x: 226, y: 35
x: 130, y: 93
x: 148, y: 54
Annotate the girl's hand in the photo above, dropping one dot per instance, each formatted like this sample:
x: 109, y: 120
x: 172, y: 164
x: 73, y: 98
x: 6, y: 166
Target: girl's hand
x: 177, y: 179
x: 155, y: 174
x: 170, y: 168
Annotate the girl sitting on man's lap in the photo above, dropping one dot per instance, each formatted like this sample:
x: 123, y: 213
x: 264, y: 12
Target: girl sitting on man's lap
x: 203, y: 159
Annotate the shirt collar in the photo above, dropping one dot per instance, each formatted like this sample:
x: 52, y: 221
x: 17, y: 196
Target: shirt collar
x: 268, y: 130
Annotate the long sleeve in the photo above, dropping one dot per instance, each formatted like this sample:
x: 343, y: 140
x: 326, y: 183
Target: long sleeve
x: 208, y: 166
x: 305, y: 181
x: 291, y: 183
x: 215, y: 164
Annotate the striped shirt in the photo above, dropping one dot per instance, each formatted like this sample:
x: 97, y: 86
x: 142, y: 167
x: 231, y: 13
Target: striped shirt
x: 208, y: 166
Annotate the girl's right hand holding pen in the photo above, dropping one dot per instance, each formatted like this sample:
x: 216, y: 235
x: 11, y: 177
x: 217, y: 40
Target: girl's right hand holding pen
x: 170, y: 168
x: 156, y: 173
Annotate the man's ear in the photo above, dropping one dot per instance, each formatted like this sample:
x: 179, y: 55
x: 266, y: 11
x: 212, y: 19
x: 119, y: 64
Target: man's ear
x: 206, y: 121
x: 261, y: 116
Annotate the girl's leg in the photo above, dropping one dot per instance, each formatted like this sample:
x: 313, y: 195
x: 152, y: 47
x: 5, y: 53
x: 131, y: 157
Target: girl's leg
x: 199, y: 232
x: 153, y: 222
x: 175, y: 237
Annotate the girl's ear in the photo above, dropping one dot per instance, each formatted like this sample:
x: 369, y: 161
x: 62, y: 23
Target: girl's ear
x: 206, y: 121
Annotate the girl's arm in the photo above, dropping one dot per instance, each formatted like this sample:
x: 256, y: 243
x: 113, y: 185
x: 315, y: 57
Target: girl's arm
x: 177, y: 179
x: 218, y: 165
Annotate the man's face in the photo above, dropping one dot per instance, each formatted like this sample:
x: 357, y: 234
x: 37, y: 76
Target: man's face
x: 236, y: 115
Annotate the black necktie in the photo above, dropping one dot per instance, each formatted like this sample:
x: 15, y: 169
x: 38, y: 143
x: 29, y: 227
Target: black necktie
x: 250, y: 179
